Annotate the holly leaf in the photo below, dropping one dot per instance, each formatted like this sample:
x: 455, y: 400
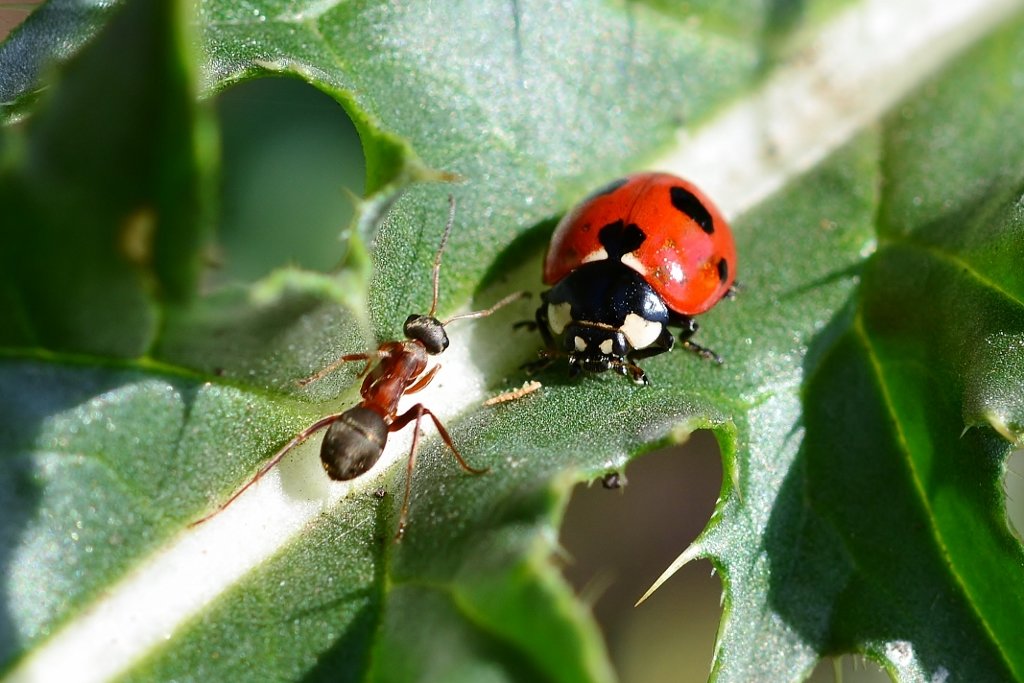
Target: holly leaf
x: 871, y: 391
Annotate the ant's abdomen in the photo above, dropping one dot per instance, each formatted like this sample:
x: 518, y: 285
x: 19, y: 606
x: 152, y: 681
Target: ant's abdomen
x: 353, y: 443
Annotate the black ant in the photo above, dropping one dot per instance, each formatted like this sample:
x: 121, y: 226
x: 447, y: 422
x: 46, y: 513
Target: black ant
x: 356, y: 437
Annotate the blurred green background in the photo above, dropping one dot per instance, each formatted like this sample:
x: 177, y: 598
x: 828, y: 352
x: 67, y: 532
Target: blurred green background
x: 290, y: 158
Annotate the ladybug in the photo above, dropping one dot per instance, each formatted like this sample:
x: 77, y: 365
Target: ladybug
x: 642, y: 254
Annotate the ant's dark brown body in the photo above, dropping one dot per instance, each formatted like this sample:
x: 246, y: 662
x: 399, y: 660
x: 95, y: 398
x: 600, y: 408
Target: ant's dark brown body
x: 355, y: 438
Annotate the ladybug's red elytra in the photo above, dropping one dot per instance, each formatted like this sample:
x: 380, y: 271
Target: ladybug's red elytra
x: 642, y: 254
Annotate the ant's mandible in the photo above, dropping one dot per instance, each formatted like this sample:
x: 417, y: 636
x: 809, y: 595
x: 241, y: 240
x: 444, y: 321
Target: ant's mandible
x: 356, y: 437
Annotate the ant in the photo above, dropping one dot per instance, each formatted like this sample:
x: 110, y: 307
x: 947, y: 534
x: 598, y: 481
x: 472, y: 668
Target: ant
x: 356, y: 437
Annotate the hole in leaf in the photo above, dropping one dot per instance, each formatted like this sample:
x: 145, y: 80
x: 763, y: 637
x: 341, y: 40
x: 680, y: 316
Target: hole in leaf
x: 619, y: 541
x: 289, y: 152
x: 12, y: 16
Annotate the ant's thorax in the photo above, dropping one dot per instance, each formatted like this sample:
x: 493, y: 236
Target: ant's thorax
x: 400, y: 364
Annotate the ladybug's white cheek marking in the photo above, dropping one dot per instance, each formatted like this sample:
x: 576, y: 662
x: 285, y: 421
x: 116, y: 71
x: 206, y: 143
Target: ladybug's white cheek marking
x: 606, y: 347
x: 596, y: 255
x: 639, y: 331
x: 559, y: 316
x: 633, y: 262
x: 580, y: 344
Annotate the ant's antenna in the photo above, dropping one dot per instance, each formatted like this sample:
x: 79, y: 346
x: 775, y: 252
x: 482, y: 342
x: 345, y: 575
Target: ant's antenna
x: 437, y: 276
x: 440, y: 251
x: 487, y: 311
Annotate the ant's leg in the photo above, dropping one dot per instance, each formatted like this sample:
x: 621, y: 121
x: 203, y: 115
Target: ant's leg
x: 276, y: 458
x: 337, y: 364
x: 451, y: 445
x: 423, y: 381
x: 416, y: 413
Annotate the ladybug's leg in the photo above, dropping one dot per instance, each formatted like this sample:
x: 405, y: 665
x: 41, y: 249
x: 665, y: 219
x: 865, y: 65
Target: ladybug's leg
x: 544, y: 326
x: 549, y: 352
x: 690, y: 327
x: 540, y: 322
x: 637, y: 374
x: 544, y: 360
x: 703, y: 352
x: 663, y: 343
x: 632, y: 371
x: 416, y: 413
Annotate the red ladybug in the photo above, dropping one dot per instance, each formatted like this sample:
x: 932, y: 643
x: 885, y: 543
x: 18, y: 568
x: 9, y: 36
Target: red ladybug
x: 643, y: 253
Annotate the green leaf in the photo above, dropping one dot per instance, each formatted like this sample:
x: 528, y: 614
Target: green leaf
x: 880, y: 317
x: 129, y: 173
x: 888, y: 532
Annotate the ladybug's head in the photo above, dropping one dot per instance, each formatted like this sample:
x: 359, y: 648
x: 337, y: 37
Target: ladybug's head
x: 594, y: 347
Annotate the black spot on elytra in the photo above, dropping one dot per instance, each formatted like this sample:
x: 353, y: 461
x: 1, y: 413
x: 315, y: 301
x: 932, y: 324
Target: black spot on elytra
x: 687, y: 202
x: 606, y: 189
x: 618, y: 239
x: 723, y: 270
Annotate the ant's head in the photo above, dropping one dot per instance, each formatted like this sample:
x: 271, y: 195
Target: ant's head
x: 427, y: 330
